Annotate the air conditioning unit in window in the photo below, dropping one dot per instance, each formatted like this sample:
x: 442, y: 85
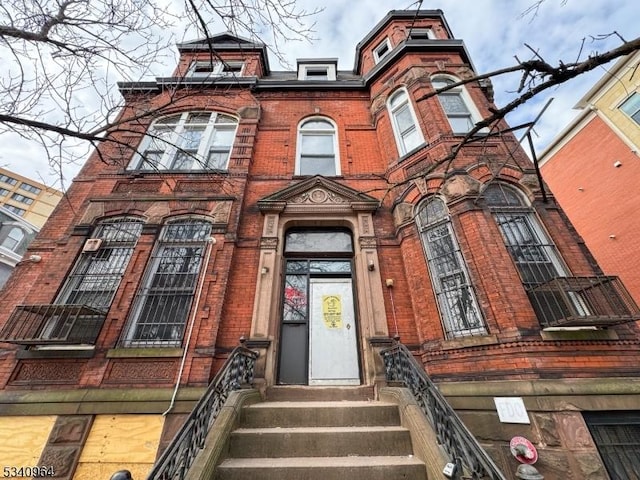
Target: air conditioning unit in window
x: 91, y: 245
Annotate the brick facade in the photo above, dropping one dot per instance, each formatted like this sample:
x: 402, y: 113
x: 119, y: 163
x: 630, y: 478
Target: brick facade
x: 375, y: 197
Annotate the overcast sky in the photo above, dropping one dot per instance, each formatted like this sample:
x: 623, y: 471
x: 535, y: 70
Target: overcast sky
x: 494, y: 32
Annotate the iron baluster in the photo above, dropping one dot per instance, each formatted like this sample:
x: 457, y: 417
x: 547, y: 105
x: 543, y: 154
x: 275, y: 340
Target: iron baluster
x: 455, y: 438
x: 175, y: 461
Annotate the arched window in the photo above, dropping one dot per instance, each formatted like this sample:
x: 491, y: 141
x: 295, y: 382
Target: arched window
x: 457, y: 105
x: 534, y: 254
x: 403, y: 119
x: 456, y: 299
x: 13, y: 239
x: 164, y: 299
x: 187, y: 141
x: 317, y: 148
x: 97, y: 273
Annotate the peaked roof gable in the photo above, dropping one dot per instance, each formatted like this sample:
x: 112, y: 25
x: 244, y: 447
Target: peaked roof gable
x: 318, y: 193
x: 224, y: 38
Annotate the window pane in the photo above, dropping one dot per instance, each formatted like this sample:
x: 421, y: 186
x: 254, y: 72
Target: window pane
x: 411, y: 139
x: 453, y: 103
x: 96, y: 275
x: 198, y: 118
x: 329, y: 266
x: 190, y: 145
x: 404, y: 119
x: 397, y: 99
x: 295, y: 298
x: 461, y: 124
x: 312, y: 165
x: 317, y: 144
x: 318, y: 242
x: 217, y: 160
x: 456, y: 299
x: 631, y: 105
x: 163, y: 302
x: 223, y: 136
x: 317, y: 125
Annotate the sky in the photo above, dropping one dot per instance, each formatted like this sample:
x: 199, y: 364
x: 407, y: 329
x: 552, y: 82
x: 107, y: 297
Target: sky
x: 494, y: 31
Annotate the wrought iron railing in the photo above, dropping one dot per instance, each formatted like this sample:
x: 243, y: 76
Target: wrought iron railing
x: 177, y: 458
x: 583, y: 301
x: 53, y: 324
x: 457, y: 441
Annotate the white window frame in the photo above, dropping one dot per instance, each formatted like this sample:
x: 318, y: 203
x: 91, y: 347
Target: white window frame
x: 633, y: 114
x: 328, y: 132
x: 425, y: 33
x: 459, y: 304
x: 168, y: 156
x: 460, y: 91
x: 216, y: 69
x: 400, y: 136
x: 305, y: 68
x: 382, y: 50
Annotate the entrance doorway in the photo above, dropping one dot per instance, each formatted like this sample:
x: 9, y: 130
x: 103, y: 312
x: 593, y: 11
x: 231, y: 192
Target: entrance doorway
x: 318, y: 340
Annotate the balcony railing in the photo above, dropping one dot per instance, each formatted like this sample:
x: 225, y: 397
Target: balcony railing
x: 53, y: 324
x: 583, y: 301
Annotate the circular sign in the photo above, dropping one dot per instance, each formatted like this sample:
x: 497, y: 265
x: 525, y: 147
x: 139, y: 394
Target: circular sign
x: 523, y: 450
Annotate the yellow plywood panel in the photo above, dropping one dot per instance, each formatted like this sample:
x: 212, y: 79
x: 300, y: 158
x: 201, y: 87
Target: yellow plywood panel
x: 124, y: 439
x: 100, y: 471
x: 22, y: 439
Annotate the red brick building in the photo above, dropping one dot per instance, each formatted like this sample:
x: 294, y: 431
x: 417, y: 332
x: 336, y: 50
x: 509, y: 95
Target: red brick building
x: 315, y: 213
x: 592, y: 168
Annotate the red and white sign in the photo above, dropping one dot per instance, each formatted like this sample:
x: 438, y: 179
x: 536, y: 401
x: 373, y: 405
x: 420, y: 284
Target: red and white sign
x: 523, y: 450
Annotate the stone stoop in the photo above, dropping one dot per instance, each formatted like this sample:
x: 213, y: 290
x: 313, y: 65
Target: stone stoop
x: 320, y: 440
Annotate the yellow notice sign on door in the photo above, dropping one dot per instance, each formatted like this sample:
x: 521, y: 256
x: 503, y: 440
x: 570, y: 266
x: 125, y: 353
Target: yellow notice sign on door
x: 332, y: 311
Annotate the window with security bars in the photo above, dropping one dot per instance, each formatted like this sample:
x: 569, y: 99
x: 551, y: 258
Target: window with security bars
x: 93, y: 281
x: 456, y: 298
x: 187, y: 141
x: 96, y: 275
x: 164, y: 300
x: 617, y: 437
x: 534, y: 254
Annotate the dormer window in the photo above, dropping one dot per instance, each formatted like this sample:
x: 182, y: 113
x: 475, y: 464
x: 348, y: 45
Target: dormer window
x: 422, y: 34
x: 216, y: 69
x: 317, y: 73
x: 382, y: 50
x: 321, y: 70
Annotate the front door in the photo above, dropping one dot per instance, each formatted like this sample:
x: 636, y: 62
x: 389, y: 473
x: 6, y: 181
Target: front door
x: 318, y: 337
x: 333, y: 353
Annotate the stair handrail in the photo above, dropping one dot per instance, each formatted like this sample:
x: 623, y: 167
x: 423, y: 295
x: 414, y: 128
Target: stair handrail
x: 455, y: 438
x: 177, y: 458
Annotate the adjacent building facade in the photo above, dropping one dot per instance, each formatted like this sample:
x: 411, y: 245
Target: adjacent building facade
x: 592, y: 168
x: 27, y: 198
x: 318, y: 214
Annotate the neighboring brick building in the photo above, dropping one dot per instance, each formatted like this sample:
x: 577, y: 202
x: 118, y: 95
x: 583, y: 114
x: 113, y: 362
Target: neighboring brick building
x: 294, y: 194
x: 593, y: 167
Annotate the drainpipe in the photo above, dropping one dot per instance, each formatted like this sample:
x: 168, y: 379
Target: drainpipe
x: 210, y: 243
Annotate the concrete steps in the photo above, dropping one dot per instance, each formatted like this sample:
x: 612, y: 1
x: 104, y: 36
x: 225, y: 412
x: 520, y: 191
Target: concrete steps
x: 323, y: 440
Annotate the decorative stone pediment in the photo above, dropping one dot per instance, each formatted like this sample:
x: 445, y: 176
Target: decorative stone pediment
x: 318, y: 195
